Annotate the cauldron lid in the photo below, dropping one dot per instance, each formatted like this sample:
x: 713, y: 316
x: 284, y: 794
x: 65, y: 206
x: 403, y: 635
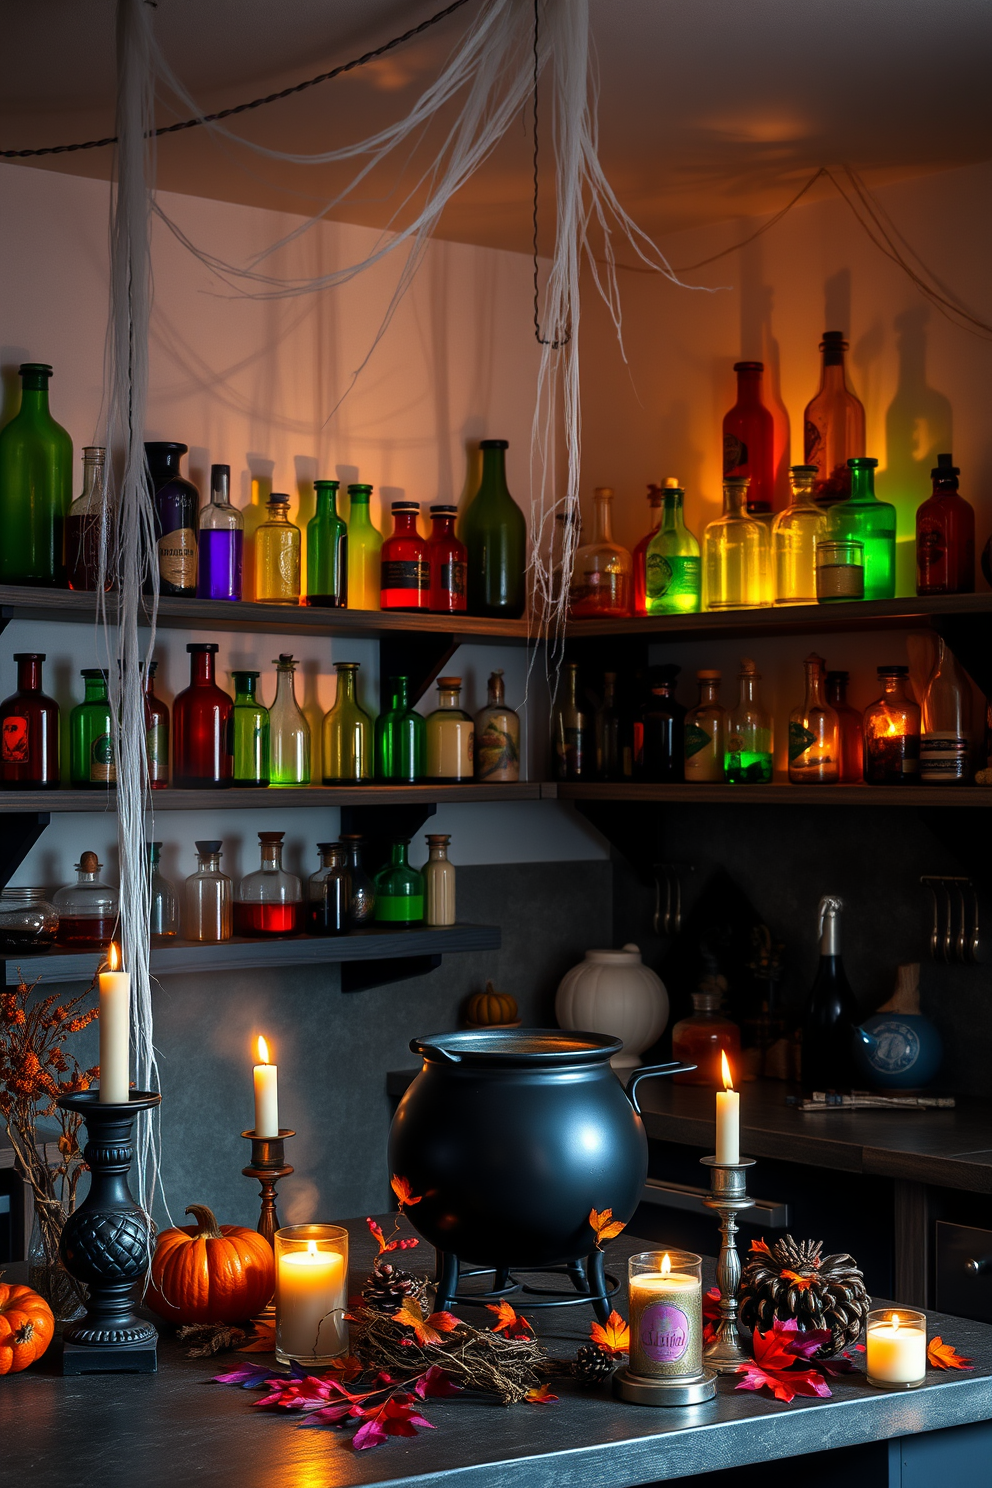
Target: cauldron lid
x: 517, y: 1046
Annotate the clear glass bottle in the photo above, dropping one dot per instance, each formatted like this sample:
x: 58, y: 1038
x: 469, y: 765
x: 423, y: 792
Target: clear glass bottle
x: 814, y: 732
x: 400, y: 738
x: 269, y: 902
x: 863, y: 518
x: 177, y: 506
x: 439, y: 881
x: 251, y: 732
x: 661, y: 756
x: 946, y: 723
x: 405, y: 576
x: 92, y: 756
x: 945, y: 535
x: 201, y: 726
x: 892, y: 732
x: 450, y: 736
x: 497, y: 736
x: 347, y: 732
x: 795, y: 534
x: 640, y: 553
x: 852, y: 763
x: 88, y: 528
x: 705, y: 732
x: 707, y: 1033
x: 209, y: 898
x: 447, y: 559
x: 156, y: 732
x: 163, y: 918
x: 364, y: 551
x: 833, y: 424
x: 749, y: 440
x: 28, y: 921
x: 673, y: 570
x: 35, y: 486
x: 289, y: 731
x: 399, y: 889
x: 87, y: 909
x: 29, y: 730
x: 220, y: 541
x: 735, y: 555
x: 278, y: 545
x: 327, y: 550
x: 613, y: 735
x: 840, y: 571
x: 494, y: 531
x: 329, y: 892
x: 362, y: 903
x: 571, y: 744
x: 602, y: 575
x: 750, y: 734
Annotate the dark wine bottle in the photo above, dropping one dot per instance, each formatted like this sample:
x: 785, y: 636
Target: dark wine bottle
x: 831, y: 1011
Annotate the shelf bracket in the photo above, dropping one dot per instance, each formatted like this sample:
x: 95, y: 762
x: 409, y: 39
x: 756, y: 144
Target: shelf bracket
x: 21, y: 830
x: 382, y: 825
x: 418, y: 655
x: 632, y: 827
x: 360, y: 976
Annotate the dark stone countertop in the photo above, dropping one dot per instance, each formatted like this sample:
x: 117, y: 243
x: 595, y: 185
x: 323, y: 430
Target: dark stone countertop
x: 154, y: 1431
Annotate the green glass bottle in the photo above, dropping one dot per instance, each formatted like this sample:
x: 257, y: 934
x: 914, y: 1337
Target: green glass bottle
x: 289, y: 731
x: 347, y: 732
x: 399, y: 889
x: 674, y: 576
x: 364, y: 549
x: 400, y: 738
x: 327, y: 550
x: 35, y: 487
x: 750, y: 734
x: 92, y: 757
x: 862, y: 517
x: 251, y: 732
x: 495, y: 533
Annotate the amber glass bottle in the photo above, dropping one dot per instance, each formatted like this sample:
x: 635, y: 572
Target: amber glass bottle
x: 701, y: 1038
x: 945, y: 536
x: 833, y: 425
x: 277, y: 555
x: 749, y: 439
x: 851, y: 740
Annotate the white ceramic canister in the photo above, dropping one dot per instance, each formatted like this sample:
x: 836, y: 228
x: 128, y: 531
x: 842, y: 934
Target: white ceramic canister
x: 613, y: 992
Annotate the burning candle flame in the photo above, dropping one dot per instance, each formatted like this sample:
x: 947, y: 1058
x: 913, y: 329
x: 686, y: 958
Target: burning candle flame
x: 728, y: 1078
x: 113, y: 957
x: 895, y: 1322
x: 311, y: 1244
x: 263, y: 1052
x: 666, y: 1264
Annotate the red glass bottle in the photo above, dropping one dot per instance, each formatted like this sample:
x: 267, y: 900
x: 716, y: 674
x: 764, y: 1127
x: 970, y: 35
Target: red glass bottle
x: 749, y: 439
x: 656, y: 502
x: 203, y: 722
x: 448, y: 560
x: 156, y: 733
x: 269, y: 902
x: 833, y: 425
x: 405, y: 575
x: 852, y: 762
x: 29, y: 730
x: 945, y: 536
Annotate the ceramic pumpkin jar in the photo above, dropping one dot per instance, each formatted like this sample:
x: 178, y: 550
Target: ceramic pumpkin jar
x: 613, y: 992
x: 26, y: 1327
x: 210, y: 1273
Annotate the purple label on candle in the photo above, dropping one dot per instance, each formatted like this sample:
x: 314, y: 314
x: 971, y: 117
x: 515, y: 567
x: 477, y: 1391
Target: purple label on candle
x: 664, y: 1332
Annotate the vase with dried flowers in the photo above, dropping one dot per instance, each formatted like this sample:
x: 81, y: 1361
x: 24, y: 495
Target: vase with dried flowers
x: 35, y: 1070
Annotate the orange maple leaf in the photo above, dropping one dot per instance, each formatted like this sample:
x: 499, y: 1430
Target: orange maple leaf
x: 945, y: 1356
x: 614, y: 1338
x: 803, y: 1283
x: 605, y: 1226
x: 758, y: 1247
x: 411, y: 1314
x: 263, y: 1342
x: 445, y: 1322
x: 508, y: 1321
x: 539, y: 1395
x: 405, y: 1196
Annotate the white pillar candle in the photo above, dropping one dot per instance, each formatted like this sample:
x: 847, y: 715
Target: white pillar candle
x: 266, y: 1094
x: 896, y: 1348
x: 311, y: 1303
x: 728, y: 1118
x: 115, y: 1032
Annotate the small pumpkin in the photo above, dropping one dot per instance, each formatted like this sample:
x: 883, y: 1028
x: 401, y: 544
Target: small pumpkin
x: 26, y: 1327
x: 491, y: 1008
x: 210, y: 1273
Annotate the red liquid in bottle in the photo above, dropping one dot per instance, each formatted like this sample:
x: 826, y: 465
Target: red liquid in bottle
x: 700, y: 1040
x: 405, y: 581
x: 749, y: 439
x: 254, y: 919
x: 29, y: 730
x: 945, y: 536
x: 448, y: 563
x: 87, y: 934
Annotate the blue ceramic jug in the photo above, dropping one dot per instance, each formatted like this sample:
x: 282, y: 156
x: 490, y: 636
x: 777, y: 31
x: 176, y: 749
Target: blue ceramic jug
x: 898, y: 1051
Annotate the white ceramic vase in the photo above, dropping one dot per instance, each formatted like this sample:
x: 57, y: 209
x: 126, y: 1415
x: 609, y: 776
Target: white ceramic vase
x: 613, y: 992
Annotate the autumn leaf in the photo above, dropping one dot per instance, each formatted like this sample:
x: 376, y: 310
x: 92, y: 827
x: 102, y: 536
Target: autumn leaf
x: 540, y: 1395
x: 397, y: 1417
x: 247, y: 1376
x: 444, y: 1322
x: 435, y: 1384
x: 773, y: 1367
x: 508, y: 1321
x: 604, y: 1225
x: 614, y: 1337
x: 711, y: 1313
x: 945, y: 1356
x: 264, y: 1341
x: 391, y: 1244
x: 412, y: 1316
x: 405, y: 1196
x: 801, y: 1283
x: 758, y: 1247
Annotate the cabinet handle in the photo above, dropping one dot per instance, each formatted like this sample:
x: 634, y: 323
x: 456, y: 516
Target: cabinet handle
x: 976, y: 1268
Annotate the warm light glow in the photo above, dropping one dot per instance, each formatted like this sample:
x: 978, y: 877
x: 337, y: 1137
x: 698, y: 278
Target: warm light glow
x: 263, y: 1051
x: 889, y: 728
x: 113, y: 957
x: 895, y: 1322
x: 311, y: 1247
x: 666, y: 1264
x: 728, y: 1078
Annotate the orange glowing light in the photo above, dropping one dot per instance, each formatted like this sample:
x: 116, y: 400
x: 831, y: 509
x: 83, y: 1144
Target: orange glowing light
x: 895, y: 1322
x: 113, y: 957
x: 725, y: 1070
x: 666, y: 1264
x: 263, y: 1051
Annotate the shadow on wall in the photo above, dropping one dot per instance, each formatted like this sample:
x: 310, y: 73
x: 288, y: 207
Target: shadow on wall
x: 679, y: 456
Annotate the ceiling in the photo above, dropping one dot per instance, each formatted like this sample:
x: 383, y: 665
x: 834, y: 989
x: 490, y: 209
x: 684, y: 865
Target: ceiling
x: 709, y: 109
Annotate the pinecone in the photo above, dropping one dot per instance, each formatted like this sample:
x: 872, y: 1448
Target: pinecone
x: 790, y: 1279
x: 388, y: 1287
x: 593, y: 1365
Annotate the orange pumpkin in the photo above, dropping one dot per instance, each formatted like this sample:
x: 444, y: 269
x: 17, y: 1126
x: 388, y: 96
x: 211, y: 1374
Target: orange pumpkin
x: 210, y: 1273
x: 491, y: 1008
x: 26, y: 1327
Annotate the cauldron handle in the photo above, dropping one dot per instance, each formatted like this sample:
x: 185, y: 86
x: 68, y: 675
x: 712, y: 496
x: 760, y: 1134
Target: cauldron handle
x: 425, y: 1048
x: 675, y: 1068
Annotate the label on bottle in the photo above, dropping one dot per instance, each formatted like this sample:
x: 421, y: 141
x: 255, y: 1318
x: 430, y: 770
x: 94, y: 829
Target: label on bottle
x: 405, y: 573
x: 931, y: 546
x: 672, y: 577
x: 15, y: 740
x: 497, y: 755
x: 405, y: 908
x: 177, y: 558
x: 157, y: 752
x: 102, y: 766
x: 734, y: 453
x: 811, y: 443
x: 453, y: 578
x: 943, y: 757
x: 696, y: 738
x: 800, y: 738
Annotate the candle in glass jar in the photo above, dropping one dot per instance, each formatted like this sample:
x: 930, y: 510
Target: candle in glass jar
x: 115, y: 1031
x: 666, y: 1314
x: 266, y: 1093
x: 728, y: 1118
x: 896, y: 1349
x: 311, y: 1293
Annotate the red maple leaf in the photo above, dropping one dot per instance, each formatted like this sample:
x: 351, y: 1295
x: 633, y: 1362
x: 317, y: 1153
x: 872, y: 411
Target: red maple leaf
x: 773, y: 1368
x: 434, y: 1383
x: 398, y: 1416
x: 945, y: 1356
x: 306, y: 1394
x: 405, y: 1196
x: 614, y: 1337
x: 509, y: 1323
x: 711, y: 1313
x: 412, y: 1315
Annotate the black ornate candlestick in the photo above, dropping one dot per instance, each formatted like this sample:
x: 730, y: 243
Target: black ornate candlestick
x: 268, y: 1165
x: 106, y: 1243
x: 728, y: 1185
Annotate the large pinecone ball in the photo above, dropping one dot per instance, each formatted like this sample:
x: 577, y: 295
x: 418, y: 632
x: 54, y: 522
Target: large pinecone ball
x: 388, y: 1287
x: 593, y: 1365
x: 791, y: 1279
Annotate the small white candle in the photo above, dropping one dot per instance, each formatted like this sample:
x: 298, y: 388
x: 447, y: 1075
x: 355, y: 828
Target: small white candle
x: 665, y: 1322
x: 311, y: 1303
x: 266, y: 1094
x: 896, y: 1349
x: 728, y: 1118
x: 115, y: 1031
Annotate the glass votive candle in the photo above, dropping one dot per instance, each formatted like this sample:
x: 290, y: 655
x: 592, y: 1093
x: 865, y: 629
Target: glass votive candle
x: 666, y: 1314
x: 840, y: 570
x: 896, y: 1348
x: 311, y: 1293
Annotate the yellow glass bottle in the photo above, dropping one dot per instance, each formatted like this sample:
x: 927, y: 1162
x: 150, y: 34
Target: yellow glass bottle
x: 795, y: 534
x: 736, y: 551
x: 364, y: 549
x: 347, y: 732
x: 277, y: 555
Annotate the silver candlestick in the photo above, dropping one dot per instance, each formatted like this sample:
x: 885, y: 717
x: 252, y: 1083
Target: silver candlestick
x: 728, y: 1188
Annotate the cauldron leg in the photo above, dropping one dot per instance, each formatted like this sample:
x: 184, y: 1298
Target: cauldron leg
x: 445, y: 1280
x: 501, y: 1281
x: 596, y: 1273
x: 576, y: 1271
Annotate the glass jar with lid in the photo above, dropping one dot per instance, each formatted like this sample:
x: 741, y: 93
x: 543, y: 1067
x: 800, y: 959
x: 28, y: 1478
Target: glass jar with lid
x: 209, y: 897
x: 87, y: 909
x: 329, y: 892
x: 28, y: 922
x: 892, y: 732
x: 450, y: 735
x: 707, y: 1033
x: 439, y: 881
x: 270, y: 900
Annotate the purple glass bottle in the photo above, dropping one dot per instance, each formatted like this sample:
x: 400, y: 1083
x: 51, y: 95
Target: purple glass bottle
x: 221, y: 541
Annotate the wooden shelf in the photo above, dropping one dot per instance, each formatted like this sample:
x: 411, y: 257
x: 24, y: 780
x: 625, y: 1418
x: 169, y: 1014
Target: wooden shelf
x: 17, y: 801
x: 781, y: 794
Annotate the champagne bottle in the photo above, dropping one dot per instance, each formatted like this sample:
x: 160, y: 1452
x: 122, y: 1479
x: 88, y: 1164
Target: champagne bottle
x: 831, y: 1011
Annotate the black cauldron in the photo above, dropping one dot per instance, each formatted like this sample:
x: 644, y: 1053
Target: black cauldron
x: 511, y: 1137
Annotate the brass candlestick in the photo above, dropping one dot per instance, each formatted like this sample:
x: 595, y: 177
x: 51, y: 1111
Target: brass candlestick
x: 728, y: 1187
x: 268, y: 1165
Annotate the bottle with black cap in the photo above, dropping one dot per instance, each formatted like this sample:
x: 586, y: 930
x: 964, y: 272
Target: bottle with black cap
x: 831, y: 1011
x: 945, y: 536
x: 208, y: 897
x: 177, y: 504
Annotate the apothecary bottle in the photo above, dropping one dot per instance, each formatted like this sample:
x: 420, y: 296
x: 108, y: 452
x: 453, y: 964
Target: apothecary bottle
x: 404, y: 571
x: 851, y: 737
x: 220, y: 541
x: 571, y: 742
x: 347, y: 732
x: 661, y: 756
x: 673, y: 569
x: 156, y: 732
x: 705, y: 732
x: 439, y: 881
x: 400, y: 738
x: 749, y: 440
x: 707, y: 1033
x: 289, y: 731
x: 163, y: 919
x: 28, y: 921
x: 329, y: 892
x: 840, y: 571
x: 364, y: 551
x: 450, y: 736
x: 945, y: 742
x: 814, y: 732
x: 447, y: 559
x: 495, y: 535
x: 87, y: 909
x: 88, y: 528
x: 945, y: 536
x: 208, y: 897
x: 202, y: 726
x: 865, y: 519
x: 177, y: 505
x: 269, y: 902
x: 640, y: 554
x: 92, y: 755
x: 399, y: 889
x: 602, y: 574
x: 29, y: 730
x: 735, y: 555
x: 251, y: 732
x: 327, y: 550
x: 361, y: 905
x: 795, y: 534
x: 833, y: 425
x: 35, y: 486
x: 750, y: 736
x: 613, y: 734
x: 497, y: 736
x: 892, y: 732
x: 278, y: 545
